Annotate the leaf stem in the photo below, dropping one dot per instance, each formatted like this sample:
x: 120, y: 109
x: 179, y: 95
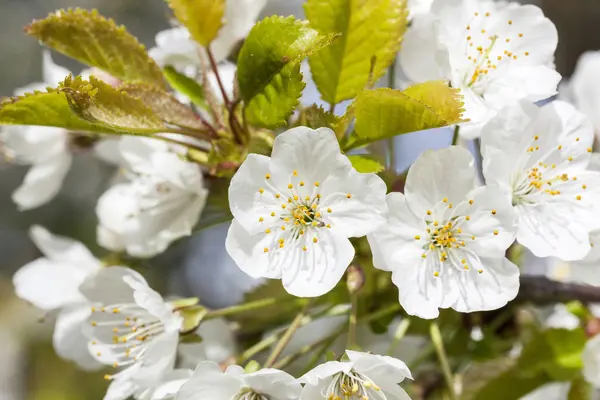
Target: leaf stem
x: 320, y: 344
x: 455, y: 136
x: 438, y: 343
x: 287, y: 336
x: 241, y: 308
x: 213, y: 65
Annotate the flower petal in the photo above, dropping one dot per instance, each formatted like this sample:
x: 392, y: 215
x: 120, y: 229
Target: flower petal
x: 373, y: 365
x: 153, y: 302
x: 108, y: 286
x: 62, y: 249
x: 324, y: 371
x: 436, y: 175
x: 69, y: 340
x: 591, y: 361
x: 274, y: 383
x: 209, y: 383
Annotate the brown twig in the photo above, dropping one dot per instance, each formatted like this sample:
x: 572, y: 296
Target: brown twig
x: 215, y: 69
x: 540, y: 290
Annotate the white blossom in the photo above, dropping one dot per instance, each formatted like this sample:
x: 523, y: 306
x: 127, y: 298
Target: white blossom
x: 418, y: 7
x: 550, y: 391
x: 46, y: 149
x: 364, y: 376
x: 495, y: 53
x: 177, y: 48
x: 294, y: 212
x: 52, y: 283
x: 161, y: 203
x: 539, y: 157
x: 209, y: 383
x: 130, y: 327
x: 445, y: 239
x: 591, y: 361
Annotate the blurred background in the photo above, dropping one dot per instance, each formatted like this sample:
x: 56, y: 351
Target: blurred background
x: 30, y: 369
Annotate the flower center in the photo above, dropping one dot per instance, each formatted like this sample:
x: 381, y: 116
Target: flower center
x: 352, y: 386
x: 127, y: 329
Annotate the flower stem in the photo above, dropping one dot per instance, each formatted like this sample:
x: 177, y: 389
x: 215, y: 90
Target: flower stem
x: 352, y: 319
x: 287, y: 336
x: 438, y: 343
x: 322, y: 344
x: 455, y: 137
x: 213, y: 65
x: 241, y: 308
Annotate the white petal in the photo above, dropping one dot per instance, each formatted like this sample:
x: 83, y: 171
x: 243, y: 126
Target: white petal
x: 218, y: 343
x: 116, y: 210
x: 533, y: 83
x: 585, y: 86
x: 108, y: 286
x: 373, y: 365
x: 61, y: 249
x: 324, y: 371
x: 274, y: 383
x: 314, y: 154
x: 69, y: 340
x: 591, y: 361
x: 209, y: 383
x: 246, y: 202
x: 436, y: 175
x: 120, y: 389
x: 316, y: 390
x: 360, y: 214
x: 489, y: 290
x: 49, y: 285
x: 422, y: 58
x: 158, y: 359
x: 170, y: 385
x: 396, y: 239
x: 42, y: 182
x: 175, y: 47
x: 550, y: 391
x: 153, y: 302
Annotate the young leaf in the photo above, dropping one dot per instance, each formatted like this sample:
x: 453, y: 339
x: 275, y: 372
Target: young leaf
x: 186, y: 86
x: 365, y: 165
x: 266, y: 66
x: 203, y: 18
x: 167, y: 107
x: 94, y: 40
x: 316, y: 117
x: 103, y: 105
x: 46, y: 109
x: 370, y: 29
x: 383, y: 113
x: 272, y: 107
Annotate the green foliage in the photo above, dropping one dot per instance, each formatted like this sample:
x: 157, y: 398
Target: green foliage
x: 203, y: 18
x: 365, y: 164
x: 103, y: 105
x: 186, y: 86
x: 383, y: 113
x: 94, y: 40
x: 278, y: 100
x: 164, y: 105
x: 580, y: 389
x: 316, y: 117
x: 268, y: 74
x: 46, y: 109
x: 371, y: 29
x: 192, y: 317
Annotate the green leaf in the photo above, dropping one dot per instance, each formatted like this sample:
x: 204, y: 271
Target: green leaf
x: 164, y: 105
x: 103, y: 105
x: 273, y: 106
x: 94, y: 40
x: 203, y: 18
x: 370, y: 29
x: 267, y: 67
x: 365, y: 164
x: 192, y: 317
x: 186, y: 86
x: 316, y: 117
x: 45, y: 109
x: 384, y: 113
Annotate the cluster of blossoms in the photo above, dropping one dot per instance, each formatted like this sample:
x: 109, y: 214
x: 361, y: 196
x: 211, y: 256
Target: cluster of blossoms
x: 296, y: 214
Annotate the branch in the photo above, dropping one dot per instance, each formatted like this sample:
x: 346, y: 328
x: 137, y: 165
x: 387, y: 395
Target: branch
x: 540, y: 290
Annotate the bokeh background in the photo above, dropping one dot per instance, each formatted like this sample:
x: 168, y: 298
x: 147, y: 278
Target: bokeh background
x: 29, y: 368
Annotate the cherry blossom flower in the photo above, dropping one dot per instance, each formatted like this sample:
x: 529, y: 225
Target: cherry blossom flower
x: 46, y: 149
x: 495, y: 52
x: 539, y: 157
x: 52, y: 283
x: 209, y: 383
x: 591, y: 361
x: 161, y: 203
x: 130, y: 327
x: 445, y: 239
x: 364, y: 376
x: 294, y: 212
